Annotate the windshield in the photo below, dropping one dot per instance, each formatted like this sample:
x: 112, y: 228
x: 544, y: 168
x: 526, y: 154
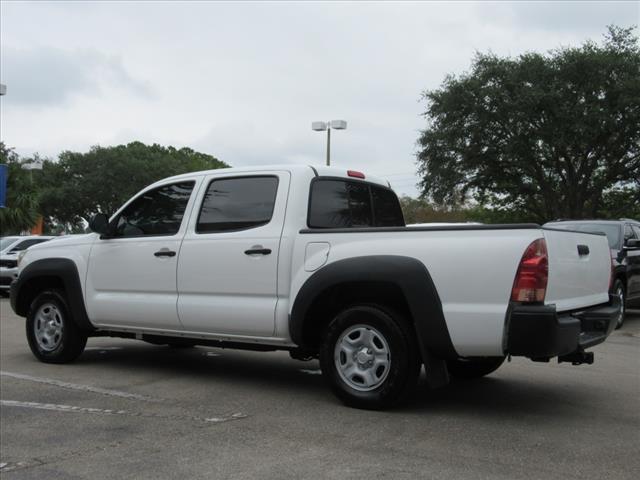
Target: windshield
x: 611, y: 230
x: 6, y: 241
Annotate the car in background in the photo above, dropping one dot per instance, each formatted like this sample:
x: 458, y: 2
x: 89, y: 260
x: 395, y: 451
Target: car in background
x: 624, y: 241
x: 10, y: 248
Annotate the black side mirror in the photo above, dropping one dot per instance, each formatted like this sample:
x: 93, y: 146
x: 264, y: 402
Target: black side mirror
x: 632, y: 243
x: 99, y: 223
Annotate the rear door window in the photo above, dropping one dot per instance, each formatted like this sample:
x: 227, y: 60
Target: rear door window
x: 237, y: 204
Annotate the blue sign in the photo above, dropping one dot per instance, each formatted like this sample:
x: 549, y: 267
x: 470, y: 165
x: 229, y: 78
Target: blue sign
x: 4, y: 172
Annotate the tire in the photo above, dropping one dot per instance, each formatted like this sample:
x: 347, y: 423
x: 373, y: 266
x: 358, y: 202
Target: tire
x: 467, y: 369
x: 383, y: 365
x: 619, y: 290
x: 52, y: 334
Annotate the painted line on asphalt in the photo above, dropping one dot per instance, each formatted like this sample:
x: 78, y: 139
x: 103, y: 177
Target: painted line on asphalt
x: 83, y: 388
x: 107, y: 411
x: 311, y: 372
x: 103, y: 348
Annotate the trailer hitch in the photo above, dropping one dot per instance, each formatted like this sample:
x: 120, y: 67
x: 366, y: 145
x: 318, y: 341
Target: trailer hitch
x: 577, y: 358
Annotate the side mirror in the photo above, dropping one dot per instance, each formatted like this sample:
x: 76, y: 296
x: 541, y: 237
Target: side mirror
x: 632, y: 244
x: 99, y: 223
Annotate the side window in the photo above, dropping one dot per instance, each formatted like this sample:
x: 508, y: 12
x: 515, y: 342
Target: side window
x: 387, y: 208
x: 237, y: 204
x: 26, y: 244
x: 636, y: 231
x: 628, y: 233
x: 156, y: 212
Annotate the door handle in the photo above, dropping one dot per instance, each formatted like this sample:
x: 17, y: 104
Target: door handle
x: 258, y: 251
x: 583, y: 250
x: 165, y: 253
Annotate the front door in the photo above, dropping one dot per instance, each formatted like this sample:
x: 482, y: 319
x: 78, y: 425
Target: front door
x: 228, y: 266
x: 131, y: 280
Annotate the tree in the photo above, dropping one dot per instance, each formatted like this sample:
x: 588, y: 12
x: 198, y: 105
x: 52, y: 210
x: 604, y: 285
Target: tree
x: 546, y: 136
x: 21, y: 211
x: 419, y: 210
x: 79, y: 185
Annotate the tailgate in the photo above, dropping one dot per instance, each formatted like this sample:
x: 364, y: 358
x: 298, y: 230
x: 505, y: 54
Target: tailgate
x: 579, y: 269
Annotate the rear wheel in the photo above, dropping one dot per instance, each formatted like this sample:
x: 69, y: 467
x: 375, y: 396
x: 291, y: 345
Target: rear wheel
x: 52, y: 334
x: 469, y: 368
x: 618, y: 291
x: 369, y: 357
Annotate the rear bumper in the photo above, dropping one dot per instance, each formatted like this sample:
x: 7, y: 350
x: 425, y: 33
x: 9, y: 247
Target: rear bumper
x: 539, y: 332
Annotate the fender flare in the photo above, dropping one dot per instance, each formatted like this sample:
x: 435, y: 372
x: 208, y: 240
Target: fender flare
x: 63, y: 269
x: 409, y: 274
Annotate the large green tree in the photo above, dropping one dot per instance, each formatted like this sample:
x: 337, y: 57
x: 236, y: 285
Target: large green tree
x: 542, y: 135
x: 21, y: 210
x: 78, y: 185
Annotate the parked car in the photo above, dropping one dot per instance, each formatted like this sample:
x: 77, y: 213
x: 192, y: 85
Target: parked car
x: 10, y: 247
x: 624, y: 241
x: 319, y: 262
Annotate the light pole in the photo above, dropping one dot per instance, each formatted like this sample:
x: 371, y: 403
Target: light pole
x: 322, y: 126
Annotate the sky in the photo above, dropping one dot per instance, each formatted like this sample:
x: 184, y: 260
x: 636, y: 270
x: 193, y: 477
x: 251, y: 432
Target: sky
x: 244, y: 80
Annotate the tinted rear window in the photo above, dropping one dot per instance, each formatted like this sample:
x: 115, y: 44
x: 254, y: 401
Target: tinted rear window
x: 611, y: 230
x: 237, y: 204
x: 348, y: 204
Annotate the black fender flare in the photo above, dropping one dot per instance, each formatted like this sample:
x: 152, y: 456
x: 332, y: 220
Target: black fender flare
x: 62, y: 269
x: 409, y: 274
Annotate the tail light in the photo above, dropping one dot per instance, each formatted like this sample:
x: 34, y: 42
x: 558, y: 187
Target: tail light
x: 612, y: 274
x: 530, y: 284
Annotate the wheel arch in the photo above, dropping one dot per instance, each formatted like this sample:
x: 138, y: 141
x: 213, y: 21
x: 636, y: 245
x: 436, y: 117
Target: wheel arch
x: 50, y: 273
x: 397, y: 282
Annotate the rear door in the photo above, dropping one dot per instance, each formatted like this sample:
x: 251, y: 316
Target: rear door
x: 579, y: 269
x: 228, y: 265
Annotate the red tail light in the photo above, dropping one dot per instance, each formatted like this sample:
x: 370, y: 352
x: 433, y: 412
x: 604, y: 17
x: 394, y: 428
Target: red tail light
x: 353, y: 173
x: 530, y: 284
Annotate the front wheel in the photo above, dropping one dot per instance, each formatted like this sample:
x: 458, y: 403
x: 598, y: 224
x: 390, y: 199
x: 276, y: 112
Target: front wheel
x: 618, y: 291
x: 52, y: 334
x: 469, y: 368
x: 369, y: 357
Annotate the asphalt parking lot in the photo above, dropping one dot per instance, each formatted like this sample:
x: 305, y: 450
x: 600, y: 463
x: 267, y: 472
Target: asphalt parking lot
x: 127, y: 409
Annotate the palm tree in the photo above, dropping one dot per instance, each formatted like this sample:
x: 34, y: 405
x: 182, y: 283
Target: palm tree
x: 21, y: 211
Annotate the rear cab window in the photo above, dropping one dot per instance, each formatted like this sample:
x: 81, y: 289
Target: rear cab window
x: 341, y: 203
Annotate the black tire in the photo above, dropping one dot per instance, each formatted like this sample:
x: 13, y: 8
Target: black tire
x: 470, y: 368
x: 70, y: 341
x: 619, y: 290
x: 403, y: 358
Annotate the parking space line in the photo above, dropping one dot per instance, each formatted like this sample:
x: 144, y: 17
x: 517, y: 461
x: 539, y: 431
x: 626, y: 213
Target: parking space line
x: 108, y: 411
x: 75, y: 386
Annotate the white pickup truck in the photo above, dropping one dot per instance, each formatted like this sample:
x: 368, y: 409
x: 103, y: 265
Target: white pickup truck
x: 318, y: 261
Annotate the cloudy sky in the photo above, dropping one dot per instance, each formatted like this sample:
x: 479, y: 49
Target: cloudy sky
x: 244, y: 81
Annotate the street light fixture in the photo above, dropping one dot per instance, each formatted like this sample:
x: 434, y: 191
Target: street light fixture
x: 328, y: 126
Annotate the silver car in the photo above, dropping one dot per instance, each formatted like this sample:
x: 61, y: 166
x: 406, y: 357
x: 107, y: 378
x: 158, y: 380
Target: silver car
x: 10, y: 247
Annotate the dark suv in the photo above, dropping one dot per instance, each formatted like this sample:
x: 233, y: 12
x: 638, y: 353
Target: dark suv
x: 624, y: 241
